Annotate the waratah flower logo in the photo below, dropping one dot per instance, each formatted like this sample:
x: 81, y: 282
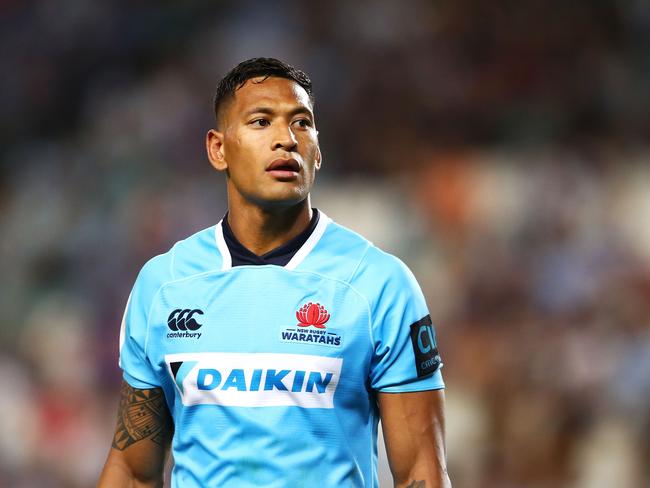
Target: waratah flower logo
x: 312, y: 314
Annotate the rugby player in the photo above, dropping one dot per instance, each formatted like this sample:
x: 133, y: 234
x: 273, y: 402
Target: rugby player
x: 264, y: 350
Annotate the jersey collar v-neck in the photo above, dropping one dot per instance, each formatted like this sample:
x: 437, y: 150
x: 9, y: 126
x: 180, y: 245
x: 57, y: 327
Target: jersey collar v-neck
x: 288, y: 255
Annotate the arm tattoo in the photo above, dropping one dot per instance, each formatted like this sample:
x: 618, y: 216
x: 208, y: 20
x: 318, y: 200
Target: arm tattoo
x: 417, y: 484
x: 142, y: 414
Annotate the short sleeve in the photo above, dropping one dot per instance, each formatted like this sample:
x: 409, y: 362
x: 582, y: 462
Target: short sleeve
x: 405, y: 356
x: 136, y: 367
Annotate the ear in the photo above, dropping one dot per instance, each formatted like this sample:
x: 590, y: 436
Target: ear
x: 319, y: 158
x: 215, y: 149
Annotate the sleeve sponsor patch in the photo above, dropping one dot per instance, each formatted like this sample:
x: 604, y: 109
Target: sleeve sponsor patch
x: 423, y: 338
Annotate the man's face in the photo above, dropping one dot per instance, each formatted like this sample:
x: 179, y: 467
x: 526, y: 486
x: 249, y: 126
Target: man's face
x: 268, y: 143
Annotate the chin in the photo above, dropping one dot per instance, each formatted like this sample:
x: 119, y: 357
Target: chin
x: 284, y: 198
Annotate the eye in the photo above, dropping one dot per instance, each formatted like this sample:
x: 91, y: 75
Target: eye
x: 260, y: 123
x: 303, y: 123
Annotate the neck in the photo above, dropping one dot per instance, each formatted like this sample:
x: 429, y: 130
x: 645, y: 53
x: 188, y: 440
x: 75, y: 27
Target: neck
x: 261, y: 230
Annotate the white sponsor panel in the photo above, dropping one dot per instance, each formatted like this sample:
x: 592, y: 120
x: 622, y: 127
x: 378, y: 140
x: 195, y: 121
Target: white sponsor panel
x: 255, y: 379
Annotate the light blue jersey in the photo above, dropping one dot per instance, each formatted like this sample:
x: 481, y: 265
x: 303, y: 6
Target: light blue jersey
x: 271, y: 372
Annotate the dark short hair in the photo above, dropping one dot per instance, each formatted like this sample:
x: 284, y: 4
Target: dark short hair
x: 253, y: 68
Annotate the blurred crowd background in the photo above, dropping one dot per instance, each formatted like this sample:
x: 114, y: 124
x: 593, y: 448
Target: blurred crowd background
x: 500, y: 148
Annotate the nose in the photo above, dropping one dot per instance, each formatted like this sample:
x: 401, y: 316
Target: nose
x: 284, y: 138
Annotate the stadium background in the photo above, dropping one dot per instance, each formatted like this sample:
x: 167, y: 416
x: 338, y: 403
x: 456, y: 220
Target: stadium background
x: 500, y: 148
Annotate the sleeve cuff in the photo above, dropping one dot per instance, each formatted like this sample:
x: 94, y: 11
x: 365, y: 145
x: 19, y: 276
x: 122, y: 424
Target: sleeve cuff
x: 432, y: 382
x: 139, y: 384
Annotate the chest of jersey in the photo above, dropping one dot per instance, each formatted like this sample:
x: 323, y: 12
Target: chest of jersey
x: 261, y: 336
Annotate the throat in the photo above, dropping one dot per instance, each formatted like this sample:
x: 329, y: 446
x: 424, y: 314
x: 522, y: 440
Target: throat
x: 261, y: 233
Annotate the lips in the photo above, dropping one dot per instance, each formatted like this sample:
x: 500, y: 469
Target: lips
x: 284, y: 165
x: 285, y: 170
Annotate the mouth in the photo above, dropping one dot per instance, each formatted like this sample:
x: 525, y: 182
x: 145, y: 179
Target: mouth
x: 284, y: 169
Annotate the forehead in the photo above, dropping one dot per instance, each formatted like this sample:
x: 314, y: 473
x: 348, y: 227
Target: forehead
x: 272, y: 92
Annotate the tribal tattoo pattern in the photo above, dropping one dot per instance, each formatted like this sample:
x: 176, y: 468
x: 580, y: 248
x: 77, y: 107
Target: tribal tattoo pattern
x: 142, y: 414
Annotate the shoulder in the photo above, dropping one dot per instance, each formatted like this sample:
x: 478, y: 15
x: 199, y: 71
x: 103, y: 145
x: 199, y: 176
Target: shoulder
x: 362, y: 264
x: 369, y: 258
x: 155, y: 272
x: 337, y: 252
x: 385, y: 265
x: 389, y: 287
x: 380, y: 274
x: 192, y: 255
x: 343, y: 242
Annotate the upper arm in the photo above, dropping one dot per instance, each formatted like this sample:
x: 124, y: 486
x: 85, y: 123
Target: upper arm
x: 141, y: 441
x: 405, y: 371
x: 144, y: 424
x: 133, y: 357
x: 405, y: 353
x: 414, y: 428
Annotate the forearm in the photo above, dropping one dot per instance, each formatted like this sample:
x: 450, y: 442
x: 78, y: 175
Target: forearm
x: 414, y: 434
x: 425, y: 474
x: 419, y: 483
x: 117, y: 474
x: 427, y: 460
x: 427, y: 471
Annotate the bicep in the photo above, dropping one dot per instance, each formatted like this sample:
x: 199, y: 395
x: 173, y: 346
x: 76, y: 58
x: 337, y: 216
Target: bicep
x: 142, y: 436
x: 414, y: 428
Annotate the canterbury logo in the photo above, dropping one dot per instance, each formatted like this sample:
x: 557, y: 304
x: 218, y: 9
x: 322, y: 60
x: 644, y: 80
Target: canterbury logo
x: 183, y: 319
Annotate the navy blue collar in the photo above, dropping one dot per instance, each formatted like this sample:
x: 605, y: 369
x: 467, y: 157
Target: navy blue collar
x: 279, y: 256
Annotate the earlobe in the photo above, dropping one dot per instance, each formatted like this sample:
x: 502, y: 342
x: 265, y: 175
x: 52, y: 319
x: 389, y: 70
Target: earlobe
x: 319, y: 160
x: 214, y: 148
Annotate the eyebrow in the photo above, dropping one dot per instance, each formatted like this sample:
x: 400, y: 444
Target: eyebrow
x: 269, y: 111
